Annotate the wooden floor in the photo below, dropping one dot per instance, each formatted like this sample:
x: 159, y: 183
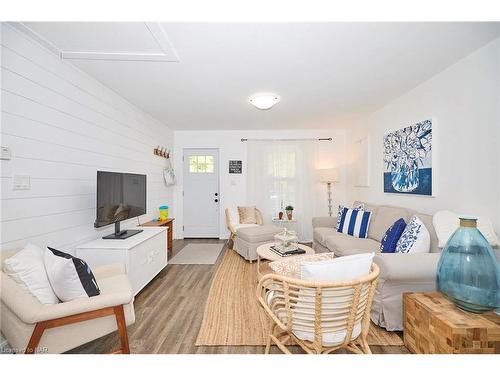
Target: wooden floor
x: 169, y: 312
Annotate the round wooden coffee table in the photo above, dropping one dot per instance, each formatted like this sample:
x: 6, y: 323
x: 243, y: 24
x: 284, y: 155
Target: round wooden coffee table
x: 264, y: 252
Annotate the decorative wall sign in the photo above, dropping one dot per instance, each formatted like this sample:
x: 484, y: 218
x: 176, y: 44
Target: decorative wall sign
x: 408, y: 160
x: 235, y: 166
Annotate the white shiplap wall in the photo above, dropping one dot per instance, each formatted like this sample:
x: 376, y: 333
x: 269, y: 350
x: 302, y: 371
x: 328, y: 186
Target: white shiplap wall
x: 62, y: 126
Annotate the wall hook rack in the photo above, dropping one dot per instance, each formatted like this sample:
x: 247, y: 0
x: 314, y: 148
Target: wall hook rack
x: 162, y: 151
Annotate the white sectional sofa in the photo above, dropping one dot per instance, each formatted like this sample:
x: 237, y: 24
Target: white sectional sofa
x: 399, y: 273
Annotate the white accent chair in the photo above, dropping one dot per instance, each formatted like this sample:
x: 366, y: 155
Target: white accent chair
x: 233, y: 221
x: 32, y: 327
x: 246, y: 238
x: 320, y: 317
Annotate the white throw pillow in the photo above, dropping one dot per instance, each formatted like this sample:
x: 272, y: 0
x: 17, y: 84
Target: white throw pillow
x: 70, y: 277
x: 415, y: 238
x: 27, y: 269
x: 446, y: 222
x: 339, y: 269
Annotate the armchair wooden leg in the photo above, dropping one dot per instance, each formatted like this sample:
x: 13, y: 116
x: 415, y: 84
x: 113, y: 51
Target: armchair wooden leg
x: 40, y: 327
x: 35, y: 338
x: 122, y: 329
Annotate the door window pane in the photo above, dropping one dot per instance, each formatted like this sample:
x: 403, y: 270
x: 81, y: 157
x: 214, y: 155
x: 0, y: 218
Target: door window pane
x: 193, y: 164
x: 201, y: 164
x: 209, y: 163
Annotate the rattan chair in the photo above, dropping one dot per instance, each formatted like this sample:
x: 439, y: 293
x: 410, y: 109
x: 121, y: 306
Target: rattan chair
x: 320, y: 317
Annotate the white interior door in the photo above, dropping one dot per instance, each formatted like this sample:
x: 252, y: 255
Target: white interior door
x: 201, y: 193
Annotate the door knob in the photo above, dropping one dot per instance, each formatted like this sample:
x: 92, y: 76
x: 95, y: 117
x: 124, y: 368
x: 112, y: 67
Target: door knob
x: 216, y: 194
x: 216, y: 200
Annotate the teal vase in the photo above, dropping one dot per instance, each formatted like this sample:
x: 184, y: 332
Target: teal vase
x: 468, y: 272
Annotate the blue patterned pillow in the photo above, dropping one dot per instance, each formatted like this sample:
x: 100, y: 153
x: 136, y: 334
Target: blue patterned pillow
x: 391, y: 237
x: 415, y: 238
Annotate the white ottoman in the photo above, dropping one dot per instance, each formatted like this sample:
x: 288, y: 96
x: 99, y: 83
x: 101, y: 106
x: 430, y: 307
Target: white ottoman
x: 249, y: 239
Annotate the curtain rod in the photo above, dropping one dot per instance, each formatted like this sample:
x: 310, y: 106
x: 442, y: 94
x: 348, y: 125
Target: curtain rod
x: 296, y: 139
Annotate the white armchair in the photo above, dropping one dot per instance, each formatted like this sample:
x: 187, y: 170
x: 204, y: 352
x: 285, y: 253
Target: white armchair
x: 233, y: 221
x: 32, y: 327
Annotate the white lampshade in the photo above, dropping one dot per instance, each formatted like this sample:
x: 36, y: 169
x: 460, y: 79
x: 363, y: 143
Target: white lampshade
x: 328, y: 175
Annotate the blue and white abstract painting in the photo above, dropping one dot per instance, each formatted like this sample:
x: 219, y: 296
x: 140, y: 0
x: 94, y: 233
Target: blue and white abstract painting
x: 408, y: 160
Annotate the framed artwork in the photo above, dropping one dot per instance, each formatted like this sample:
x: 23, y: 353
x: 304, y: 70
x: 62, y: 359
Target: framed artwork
x: 408, y: 160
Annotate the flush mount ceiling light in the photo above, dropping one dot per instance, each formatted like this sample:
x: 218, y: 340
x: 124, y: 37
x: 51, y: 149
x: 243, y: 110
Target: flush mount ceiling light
x: 264, y: 101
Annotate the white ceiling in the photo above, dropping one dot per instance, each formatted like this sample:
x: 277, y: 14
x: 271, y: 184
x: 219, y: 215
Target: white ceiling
x: 325, y: 73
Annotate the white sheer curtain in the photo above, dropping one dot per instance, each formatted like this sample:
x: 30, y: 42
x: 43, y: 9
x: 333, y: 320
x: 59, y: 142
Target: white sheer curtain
x: 281, y: 173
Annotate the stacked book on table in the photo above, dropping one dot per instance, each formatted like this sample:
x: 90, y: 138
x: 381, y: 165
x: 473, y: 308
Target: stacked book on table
x: 283, y: 252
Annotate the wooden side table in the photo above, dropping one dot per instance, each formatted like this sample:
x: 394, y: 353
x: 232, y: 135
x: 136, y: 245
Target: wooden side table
x: 433, y: 324
x: 169, y: 223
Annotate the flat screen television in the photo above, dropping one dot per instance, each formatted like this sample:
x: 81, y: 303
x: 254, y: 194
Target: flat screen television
x: 120, y: 196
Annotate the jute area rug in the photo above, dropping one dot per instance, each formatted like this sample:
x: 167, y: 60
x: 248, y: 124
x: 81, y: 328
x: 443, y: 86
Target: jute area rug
x: 233, y: 315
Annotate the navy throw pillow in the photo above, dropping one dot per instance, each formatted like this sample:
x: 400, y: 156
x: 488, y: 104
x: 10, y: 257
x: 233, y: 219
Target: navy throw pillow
x: 391, y: 237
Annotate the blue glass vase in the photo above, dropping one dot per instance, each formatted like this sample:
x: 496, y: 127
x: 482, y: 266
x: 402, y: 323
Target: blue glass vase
x: 468, y: 272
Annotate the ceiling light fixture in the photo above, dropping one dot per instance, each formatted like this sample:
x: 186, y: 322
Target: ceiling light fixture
x: 264, y: 101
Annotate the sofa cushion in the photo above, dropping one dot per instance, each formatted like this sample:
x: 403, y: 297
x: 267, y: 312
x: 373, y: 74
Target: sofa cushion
x: 260, y: 233
x: 357, y: 251
x: 427, y: 220
x: 384, y: 218
x: 239, y: 226
x: 320, y: 234
x: 343, y: 242
x: 324, y: 221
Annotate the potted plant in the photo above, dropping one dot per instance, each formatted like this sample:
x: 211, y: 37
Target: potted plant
x: 289, y: 212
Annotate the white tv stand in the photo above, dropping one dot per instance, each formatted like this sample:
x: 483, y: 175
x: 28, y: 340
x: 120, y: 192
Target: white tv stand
x: 144, y: 255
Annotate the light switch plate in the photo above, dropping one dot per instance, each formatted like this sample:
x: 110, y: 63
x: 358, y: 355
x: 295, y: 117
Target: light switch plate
x: 5, y: 155
x: 22, y: 182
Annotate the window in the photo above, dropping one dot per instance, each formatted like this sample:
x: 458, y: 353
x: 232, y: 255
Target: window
x: 281, y: 174
x: 201, y: 164
x: 282, y: 177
